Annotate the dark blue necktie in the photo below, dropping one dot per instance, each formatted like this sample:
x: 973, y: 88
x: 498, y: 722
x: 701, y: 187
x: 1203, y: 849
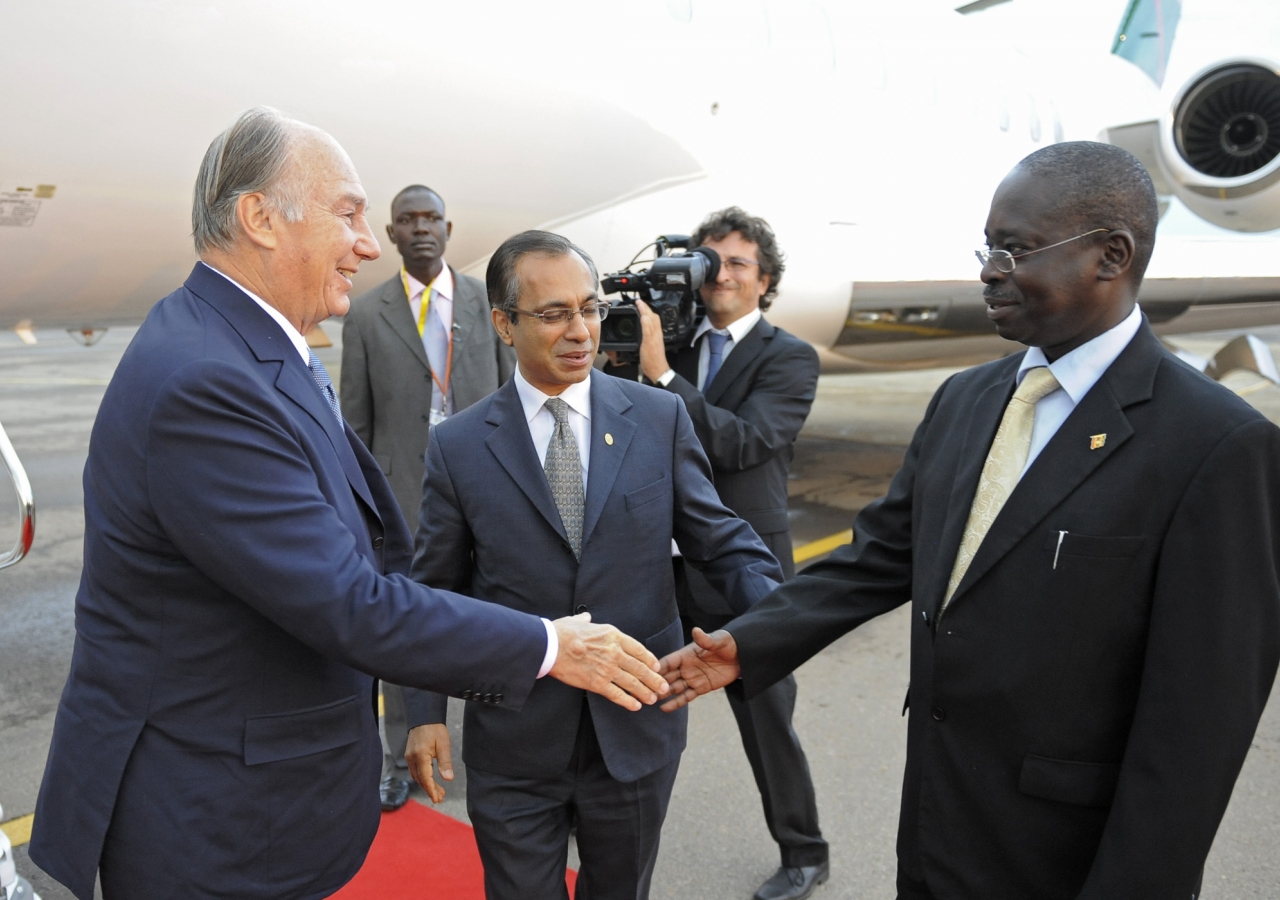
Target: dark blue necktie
x: 715, y: 356
x: 325, y: 383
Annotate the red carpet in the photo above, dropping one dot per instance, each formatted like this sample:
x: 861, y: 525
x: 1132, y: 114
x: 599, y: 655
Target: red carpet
x: 420, y: 854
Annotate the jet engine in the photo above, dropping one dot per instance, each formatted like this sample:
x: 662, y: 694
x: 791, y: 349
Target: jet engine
x: 1219, y: 145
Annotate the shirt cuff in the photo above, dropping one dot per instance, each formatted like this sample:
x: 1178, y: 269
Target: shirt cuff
x: 553, y: 648
x: 667, y: 377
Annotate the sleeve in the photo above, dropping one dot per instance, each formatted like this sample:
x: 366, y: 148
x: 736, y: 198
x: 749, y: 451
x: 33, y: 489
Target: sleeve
x: 770, y: 418
x: 233, y: 487
x: 442, y: 559
x: 711, y: 538
x: 857, y: 582
x: 1212, y: 649
x: 355, y: 393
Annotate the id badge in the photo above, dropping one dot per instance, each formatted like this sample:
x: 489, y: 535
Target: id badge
x: 437, y: 416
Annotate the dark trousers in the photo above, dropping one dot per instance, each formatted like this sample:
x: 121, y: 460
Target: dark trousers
x: 773, y: 748
x: 522, y: 827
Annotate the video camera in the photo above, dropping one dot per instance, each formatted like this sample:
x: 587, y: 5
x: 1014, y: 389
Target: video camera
x: 670, y: 286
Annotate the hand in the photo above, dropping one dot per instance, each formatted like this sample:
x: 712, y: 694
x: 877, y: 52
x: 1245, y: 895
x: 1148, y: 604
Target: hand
x: 602, y: 659
x: 706, y: 665
x: 428, y: 742
x: 653, y: 352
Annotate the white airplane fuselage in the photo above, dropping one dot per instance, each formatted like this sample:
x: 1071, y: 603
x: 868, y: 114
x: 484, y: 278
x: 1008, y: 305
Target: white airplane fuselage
x: 870, y: 135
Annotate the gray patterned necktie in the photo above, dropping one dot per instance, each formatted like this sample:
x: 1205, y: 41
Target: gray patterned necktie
x: 325, y: 383
x: 564, y: 474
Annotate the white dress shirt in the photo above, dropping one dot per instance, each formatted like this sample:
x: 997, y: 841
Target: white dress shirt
x: 443, y: 302
x: 735, y: 331
x: 1077, y: 372
x: 299, y: 342
x: 542, y: 425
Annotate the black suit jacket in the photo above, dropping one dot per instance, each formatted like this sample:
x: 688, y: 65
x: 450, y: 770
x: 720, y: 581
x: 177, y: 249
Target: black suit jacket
x: 1080, y: 712
x: 747, y: 421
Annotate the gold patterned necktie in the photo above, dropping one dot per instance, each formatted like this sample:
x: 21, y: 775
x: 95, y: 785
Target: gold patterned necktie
x: 1003, y: 468
x: 564, y: 474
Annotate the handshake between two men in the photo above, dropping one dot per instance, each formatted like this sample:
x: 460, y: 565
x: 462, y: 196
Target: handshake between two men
x: 593, y: 657
x: 601, y: 659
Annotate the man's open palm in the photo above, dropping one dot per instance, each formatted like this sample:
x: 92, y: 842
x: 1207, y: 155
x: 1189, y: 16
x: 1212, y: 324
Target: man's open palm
x: 706, y: 665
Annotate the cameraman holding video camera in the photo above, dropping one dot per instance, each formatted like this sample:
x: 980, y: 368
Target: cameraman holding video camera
x: 748, y: 387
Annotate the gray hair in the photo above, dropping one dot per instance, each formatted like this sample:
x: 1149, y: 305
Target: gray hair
x: 250, y: 157
x: 501, y: 279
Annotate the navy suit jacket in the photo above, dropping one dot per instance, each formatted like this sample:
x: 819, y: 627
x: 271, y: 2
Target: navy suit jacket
x: 218, y: 716
x: 489, y: 527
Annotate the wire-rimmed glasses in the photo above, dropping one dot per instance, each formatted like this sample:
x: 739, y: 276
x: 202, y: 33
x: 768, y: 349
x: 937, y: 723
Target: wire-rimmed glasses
x: 1003, y: 260
x: 590, y: 312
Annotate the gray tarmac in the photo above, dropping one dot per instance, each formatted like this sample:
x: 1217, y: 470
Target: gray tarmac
x: 715, y: 844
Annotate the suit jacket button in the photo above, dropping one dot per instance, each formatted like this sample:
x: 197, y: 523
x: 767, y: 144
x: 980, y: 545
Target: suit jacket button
x: 497, y: 698
x: 487, y: 698
x: 579, y: 609
x: 465, y: 695
x: 939, y: 714
x: 377, y: 543
x: 424, y: 418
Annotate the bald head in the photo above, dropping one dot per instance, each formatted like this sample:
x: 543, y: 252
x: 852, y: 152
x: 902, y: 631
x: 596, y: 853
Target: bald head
x: 1100, y: 186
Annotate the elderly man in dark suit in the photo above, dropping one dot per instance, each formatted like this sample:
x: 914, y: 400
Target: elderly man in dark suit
x: 417, y: 348
x: 1086, y: 533
x: 748, y: 387
x: 244, y: 572
x: 562, y: 492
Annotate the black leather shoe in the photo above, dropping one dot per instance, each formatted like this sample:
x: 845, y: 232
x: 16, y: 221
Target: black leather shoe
x: 793, y: 883
x: 393, y: 793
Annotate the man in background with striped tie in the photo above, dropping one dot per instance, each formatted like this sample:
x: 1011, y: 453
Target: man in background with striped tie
x: 415, y: 349
x: 1086, y: 533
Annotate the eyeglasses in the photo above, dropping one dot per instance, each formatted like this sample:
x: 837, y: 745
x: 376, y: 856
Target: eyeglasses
x: 1003, y: 260
x: 738, y: 265
x: 591, y: 312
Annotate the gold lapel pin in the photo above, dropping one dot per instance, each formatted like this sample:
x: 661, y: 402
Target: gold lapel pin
x: 1097, y: 441
x: 608, y: 438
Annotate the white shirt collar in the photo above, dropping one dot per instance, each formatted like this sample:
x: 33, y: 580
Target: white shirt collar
x: 1079, y: 370
x: 299, y: 342
x: 443, y: 285
x: 578, y: 396
x: 737, y: 329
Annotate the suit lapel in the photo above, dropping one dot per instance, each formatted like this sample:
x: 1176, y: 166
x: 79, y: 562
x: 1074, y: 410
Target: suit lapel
x: 270, y: 344
x: 396, y: 313
x: 608, y: 404
x: 1067, y: 460
x: 742, y: 355
x: 512, y: 446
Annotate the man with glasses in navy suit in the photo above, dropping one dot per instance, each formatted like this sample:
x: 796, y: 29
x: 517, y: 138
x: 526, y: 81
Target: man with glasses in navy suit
x: 558, y: 494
